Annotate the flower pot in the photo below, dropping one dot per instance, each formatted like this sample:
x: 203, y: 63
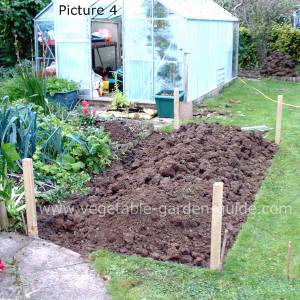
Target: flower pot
x: 67, y: 99
x: 165, y: 103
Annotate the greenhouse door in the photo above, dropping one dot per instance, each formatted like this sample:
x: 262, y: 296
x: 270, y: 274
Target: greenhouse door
x: 138, y: 60
x: 73, y: 47
x: 138, y: 50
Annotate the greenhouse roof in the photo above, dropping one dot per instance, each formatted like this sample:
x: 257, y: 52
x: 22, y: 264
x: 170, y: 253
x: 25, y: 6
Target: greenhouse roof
x: 199, y: 9
x: 46, y: 14
x: 190, y: 9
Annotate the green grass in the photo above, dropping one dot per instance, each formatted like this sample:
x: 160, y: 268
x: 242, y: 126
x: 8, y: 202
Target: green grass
x: 255, y: 266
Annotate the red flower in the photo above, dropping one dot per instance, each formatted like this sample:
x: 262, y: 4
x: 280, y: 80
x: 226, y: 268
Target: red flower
x: 2, y: 267
x: 94, y: 112
x: 85, y: 111
x: 85, y: 103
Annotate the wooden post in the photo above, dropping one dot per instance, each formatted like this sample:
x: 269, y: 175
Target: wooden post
x: 279, y: 120
x: 176, y: 109
x: 289, y: 257
x: 216, y: 226
x: 186, y: 78
x: 3, y: 216
x: 32, y: 228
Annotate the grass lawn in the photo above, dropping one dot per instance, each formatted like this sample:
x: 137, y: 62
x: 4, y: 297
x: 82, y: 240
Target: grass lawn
x: 255, y: 266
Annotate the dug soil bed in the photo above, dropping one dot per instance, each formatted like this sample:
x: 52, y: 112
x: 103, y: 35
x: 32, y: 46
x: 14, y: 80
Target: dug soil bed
x: 156, y: 201
x: 125, y: 131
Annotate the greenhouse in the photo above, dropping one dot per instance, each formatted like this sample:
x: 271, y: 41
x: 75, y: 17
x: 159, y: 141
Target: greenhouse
x: 147, y: 45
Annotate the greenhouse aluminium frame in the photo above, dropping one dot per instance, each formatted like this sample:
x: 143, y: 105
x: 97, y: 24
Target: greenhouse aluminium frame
x: 162, y: 39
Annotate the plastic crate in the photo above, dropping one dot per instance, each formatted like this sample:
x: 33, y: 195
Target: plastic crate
x: 165, y: 104
x: 67, y: 99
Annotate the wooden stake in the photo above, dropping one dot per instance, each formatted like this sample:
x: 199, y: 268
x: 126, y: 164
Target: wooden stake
x: 289, y: 257
x: 24, y: 223
x: 32, y: 228
x: 3, y: 216
x: 223, y: 249
x: 279, y: 120
x: 216, y: 226
x: 186, y: 82
x: 176, y: 109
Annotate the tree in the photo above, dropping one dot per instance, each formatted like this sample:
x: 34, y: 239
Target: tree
x: 16, y: 24
x: 258, y: 16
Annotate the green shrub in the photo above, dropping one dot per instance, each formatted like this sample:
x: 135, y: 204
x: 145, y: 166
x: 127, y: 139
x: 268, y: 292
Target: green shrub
x: 57, y: 85
x: 12, y: 87
x: 6, y: 73
x: 285, y: 38
x: 16, y: 19
x: 26, y: 84
x: 247, y: 52
x: 11, y: 83
x: 297, y: 70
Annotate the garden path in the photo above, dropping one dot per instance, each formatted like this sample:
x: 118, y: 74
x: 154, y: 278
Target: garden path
x: 37, y: 269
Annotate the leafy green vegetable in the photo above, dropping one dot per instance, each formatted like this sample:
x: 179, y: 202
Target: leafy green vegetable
x: 58, y: 85
x: 8, y: 157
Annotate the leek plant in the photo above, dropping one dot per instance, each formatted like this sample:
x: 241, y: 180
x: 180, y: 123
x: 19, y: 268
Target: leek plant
x: 18, y: 126
x: 35, y: 88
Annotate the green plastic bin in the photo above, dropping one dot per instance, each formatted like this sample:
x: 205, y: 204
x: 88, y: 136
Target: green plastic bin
x: 165, y: 104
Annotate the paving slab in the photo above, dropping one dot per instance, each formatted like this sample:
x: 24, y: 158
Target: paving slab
x: 38, y: 269
x: 9, y: 287
x: 11, y: 243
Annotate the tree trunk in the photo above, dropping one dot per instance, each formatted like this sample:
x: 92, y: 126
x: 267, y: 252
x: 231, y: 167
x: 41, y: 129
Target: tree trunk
x: 3, y: 216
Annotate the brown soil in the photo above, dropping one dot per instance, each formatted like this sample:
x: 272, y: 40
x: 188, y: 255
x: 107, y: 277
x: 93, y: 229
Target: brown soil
x: 124, y: 131
x: 158, y: 198
x: 119, y: 131
x: 204, y: 112
x: 278, y: 64
x: 253, y: 74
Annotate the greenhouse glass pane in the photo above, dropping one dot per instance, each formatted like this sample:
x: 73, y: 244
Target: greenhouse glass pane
x: 198, y: 9
x: 137, y: 9
x: 167, y: 76
x: 45, y: 43
x: 73, y: 65
x: 47, y: 14
x: 161, y: 11
x: 168, y: 39
x: 113, y: 9
x: 139, y: 80
x: 138, y: 42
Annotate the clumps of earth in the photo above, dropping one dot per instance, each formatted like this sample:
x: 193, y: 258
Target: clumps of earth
x: 125, y: 131
x: 156, y: 201
x: 278, y: 64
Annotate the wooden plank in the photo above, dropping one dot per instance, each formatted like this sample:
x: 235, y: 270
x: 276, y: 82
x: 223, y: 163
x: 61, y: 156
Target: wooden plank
x: 279, y: 120
x: 216, y: 226
x: 3, y: 216
x: 186, y: 82
x: 32, y: 228
x: 176, y: 109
